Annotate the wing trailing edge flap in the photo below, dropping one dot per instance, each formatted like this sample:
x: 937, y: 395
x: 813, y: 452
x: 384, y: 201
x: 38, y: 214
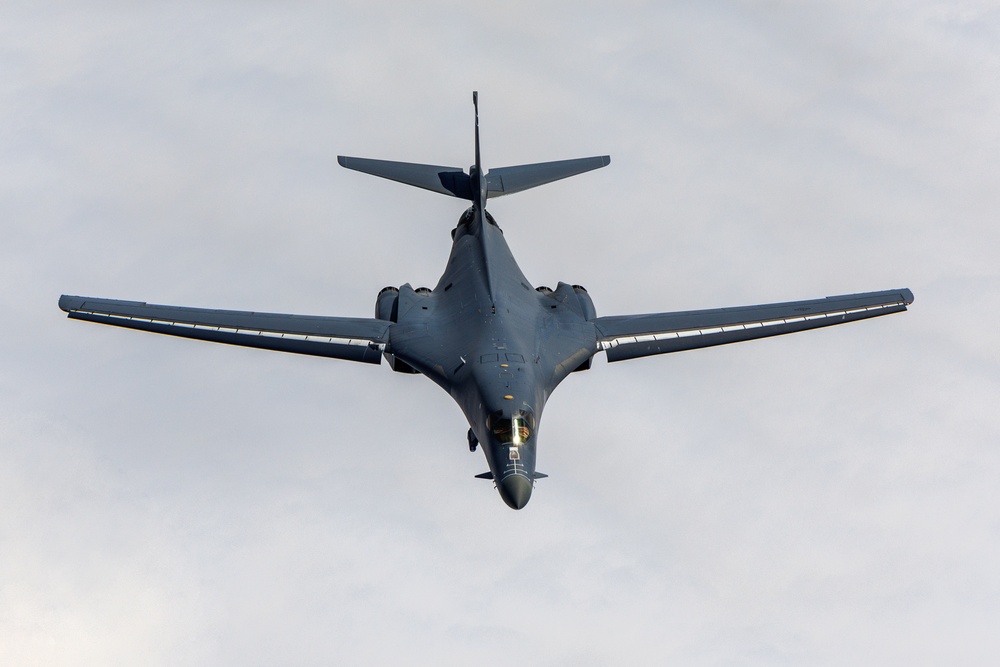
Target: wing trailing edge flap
x: 631, y: 336
x: 508, y: 180
x: 353, y: 339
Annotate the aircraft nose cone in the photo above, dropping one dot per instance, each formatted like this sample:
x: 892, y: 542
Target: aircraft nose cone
x: 515, y: 491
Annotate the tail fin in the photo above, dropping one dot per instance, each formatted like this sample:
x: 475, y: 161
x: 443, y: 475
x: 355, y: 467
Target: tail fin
x: 475, y: 105
x: 457, y: 183
x: 477, y: 180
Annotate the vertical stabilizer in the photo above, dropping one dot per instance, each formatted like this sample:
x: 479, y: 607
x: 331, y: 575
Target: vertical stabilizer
x: 475, y: 105
x: 476, y: 176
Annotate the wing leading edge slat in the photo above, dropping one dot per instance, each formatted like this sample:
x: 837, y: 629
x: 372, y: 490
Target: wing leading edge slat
x: 631, y: 336
x: 354, y: 339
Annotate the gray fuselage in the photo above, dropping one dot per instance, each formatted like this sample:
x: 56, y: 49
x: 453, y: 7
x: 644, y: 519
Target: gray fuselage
x: 497, y: 345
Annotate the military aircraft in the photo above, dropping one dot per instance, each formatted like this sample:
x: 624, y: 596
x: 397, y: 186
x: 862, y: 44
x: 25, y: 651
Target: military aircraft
x: 489, y: 338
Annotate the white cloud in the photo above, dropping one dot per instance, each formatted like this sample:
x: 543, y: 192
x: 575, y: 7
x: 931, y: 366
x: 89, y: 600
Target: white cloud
x: 821, y: 498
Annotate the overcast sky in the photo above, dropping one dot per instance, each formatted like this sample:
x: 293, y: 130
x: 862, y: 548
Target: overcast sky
x: 826, y: 498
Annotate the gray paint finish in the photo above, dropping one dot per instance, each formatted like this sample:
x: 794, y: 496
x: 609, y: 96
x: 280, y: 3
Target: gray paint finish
x: 484, y: 334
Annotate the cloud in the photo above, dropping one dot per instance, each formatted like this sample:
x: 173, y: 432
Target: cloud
x: 821, y: 498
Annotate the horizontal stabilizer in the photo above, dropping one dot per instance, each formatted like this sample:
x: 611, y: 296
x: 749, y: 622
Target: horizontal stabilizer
x: 444, y: 180
x: 489, y: 475
x: 508, y: 180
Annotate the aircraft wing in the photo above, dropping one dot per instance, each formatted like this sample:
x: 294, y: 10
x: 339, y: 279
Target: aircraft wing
x: 354, y: 339
x: 631, y: 336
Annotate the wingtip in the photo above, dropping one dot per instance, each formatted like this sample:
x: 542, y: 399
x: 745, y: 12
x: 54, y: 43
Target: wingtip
x: 69, y: 303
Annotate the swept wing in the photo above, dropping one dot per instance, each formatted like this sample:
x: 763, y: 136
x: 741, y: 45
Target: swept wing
x: 631, y: 336
x: 354, y: 339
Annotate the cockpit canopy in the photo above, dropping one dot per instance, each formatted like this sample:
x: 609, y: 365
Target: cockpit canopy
x: 513, y: 430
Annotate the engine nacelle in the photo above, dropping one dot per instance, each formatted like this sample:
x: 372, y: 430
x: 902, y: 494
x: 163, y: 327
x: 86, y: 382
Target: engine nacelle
x: 387, y: 308
x: 387, y: 304
x: 589, y: 313
x: 586, y: 303
x: 574, y: 297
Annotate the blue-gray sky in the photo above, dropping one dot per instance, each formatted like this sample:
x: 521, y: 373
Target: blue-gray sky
x: 823, y: 498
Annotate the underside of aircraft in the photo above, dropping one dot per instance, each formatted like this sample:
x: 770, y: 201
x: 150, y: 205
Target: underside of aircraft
x: 498, y: 345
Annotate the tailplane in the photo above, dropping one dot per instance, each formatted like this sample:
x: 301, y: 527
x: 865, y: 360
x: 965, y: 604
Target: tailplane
x: 446, y: 180
x: 508, y: 180
x: 456, y: 182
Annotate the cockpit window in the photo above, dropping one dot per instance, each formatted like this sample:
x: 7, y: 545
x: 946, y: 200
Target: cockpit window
x: 515, y: 430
